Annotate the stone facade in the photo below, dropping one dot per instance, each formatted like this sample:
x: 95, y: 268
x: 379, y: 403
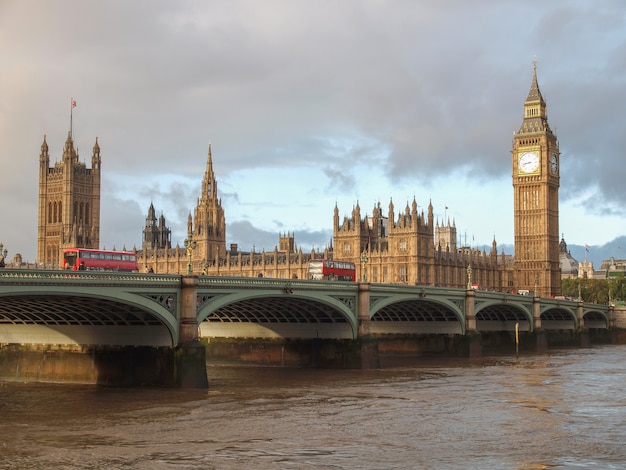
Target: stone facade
x: 206, y: 251
x: 402, y: 246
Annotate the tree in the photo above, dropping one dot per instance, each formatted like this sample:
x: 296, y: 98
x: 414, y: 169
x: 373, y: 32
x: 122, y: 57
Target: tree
x: 618, y: 288
x: 593, y: 290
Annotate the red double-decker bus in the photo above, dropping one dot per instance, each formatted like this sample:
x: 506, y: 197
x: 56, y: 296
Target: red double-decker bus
x: 330, y: 270
x: 79, y: 259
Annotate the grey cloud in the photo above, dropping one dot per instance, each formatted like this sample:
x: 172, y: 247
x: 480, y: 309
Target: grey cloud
x: 411, y: 88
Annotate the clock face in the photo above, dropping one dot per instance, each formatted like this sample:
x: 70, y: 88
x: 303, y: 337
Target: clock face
x: 554, y: 164
x: 528, y: 162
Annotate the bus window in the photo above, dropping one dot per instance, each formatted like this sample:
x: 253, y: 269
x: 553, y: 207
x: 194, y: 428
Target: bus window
x: 315, y: 270
x: 70, y: 259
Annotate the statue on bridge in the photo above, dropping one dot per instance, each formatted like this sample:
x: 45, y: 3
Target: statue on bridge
x: 3, y: 254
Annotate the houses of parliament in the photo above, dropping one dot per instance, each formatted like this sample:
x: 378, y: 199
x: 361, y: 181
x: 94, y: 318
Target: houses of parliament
x: 403, y: 245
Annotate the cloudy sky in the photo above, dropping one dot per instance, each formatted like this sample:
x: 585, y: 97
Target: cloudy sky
x: 308, y: 104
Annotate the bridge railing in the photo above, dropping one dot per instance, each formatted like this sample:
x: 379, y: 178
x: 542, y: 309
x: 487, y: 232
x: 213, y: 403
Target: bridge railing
x: 412, y: 290
x: 266, y: 282
x: 31, y: 276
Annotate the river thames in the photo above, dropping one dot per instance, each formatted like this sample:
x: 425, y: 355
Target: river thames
x: 565, y: 409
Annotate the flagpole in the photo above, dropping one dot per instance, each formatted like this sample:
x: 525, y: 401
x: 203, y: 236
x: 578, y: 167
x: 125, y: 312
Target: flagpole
x: 71, y: 112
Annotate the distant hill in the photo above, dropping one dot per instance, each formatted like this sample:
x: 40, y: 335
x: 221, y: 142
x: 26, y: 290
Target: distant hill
x: 596, y: 254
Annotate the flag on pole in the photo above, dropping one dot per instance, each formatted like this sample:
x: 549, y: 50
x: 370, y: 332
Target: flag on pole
x: 586, y: 248
x: 72, y: 106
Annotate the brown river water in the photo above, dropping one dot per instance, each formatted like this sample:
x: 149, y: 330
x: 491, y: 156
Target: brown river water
x: 566, y: 409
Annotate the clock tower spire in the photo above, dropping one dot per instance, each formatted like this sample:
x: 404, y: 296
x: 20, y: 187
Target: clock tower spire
x: 535, y: 160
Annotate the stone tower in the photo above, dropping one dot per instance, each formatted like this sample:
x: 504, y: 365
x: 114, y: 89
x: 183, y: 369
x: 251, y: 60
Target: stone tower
x: 445, y: 235
x: 156, y: 235
x: 69, y: 203
x: 209, y: 223
x: 354, y: 236
x: 286, y: 243
x: 535, y: 161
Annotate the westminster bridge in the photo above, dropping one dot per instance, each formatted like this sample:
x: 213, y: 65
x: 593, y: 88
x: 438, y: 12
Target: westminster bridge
x: 104, y: 309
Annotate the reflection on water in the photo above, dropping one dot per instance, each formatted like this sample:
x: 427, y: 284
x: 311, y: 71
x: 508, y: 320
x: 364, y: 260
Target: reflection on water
x: 562, y: 410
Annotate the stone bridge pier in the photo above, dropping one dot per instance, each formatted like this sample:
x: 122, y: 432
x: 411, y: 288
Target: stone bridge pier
x: 190, y: 353
x: 474, y: 345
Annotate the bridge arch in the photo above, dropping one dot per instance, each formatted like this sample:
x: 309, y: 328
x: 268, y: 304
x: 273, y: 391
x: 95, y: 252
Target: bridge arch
x: 498, y: 315
x: 286, y: 314
x: 595, y: 318
x: 557, y: 317
x: 411, y: 313
x: 86, y: 316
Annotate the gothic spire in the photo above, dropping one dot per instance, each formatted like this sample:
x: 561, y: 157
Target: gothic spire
x: 534, y: 95
x: 151, y: 213
x: 96, y: 160
x: 69, y: 152
x: 535, y: 116
x: 209, y: 185
x: 44, y: 156
x: 44, y: 146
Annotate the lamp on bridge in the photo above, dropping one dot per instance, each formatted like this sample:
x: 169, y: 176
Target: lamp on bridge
x: 190, y: 245
x: 536, y: 284
x: 364, y: 261
x: 3, y: 254
x: 469, y: 277
x: 217, y: 261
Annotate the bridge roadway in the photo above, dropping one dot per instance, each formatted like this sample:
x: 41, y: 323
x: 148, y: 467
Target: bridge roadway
x: 132, y: 309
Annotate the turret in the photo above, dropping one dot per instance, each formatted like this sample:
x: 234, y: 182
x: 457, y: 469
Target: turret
x: 44, y: 156
x: 70, y: 156
x: 151, y: 218
x: 95, y: 156
x: 431, y: 217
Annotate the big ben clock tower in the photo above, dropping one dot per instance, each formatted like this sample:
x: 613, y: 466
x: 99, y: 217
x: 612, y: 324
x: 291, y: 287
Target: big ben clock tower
x: 536, y: 169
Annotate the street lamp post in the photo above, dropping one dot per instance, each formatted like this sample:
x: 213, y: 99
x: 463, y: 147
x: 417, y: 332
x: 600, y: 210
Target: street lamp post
x: 469, y: 277
x: 190, y: 245
x: 3, y: 254
x: 364, y: 261
x: 535, y: 288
